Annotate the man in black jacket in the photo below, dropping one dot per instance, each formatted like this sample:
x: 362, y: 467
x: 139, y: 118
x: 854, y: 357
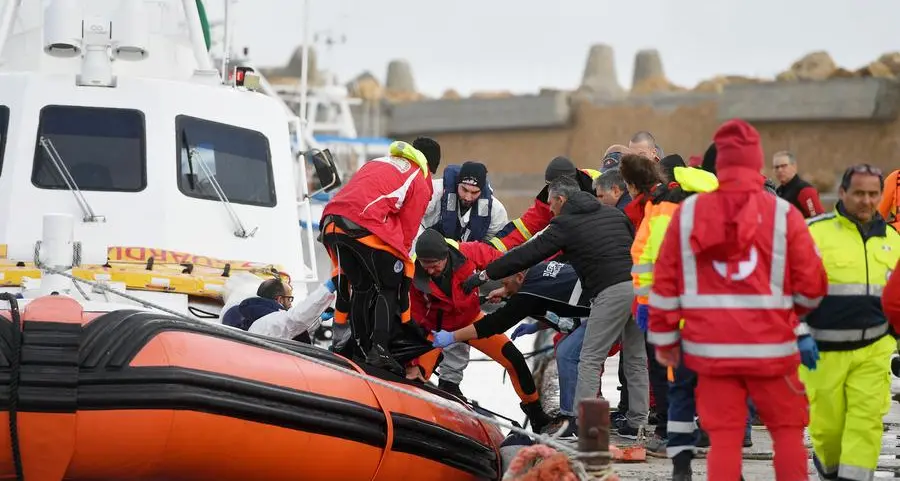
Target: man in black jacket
x: 596, y: 239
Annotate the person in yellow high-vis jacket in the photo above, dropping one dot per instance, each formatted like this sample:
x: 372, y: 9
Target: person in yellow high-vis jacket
x: 675, y: 428
x: 849, y: 387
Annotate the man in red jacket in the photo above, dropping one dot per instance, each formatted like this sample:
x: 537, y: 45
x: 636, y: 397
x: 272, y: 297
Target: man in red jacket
x: 890, y: 299
x: 440, y: 304
x: 739, y: 266
x: 538, y: 215
x: 368, y: 229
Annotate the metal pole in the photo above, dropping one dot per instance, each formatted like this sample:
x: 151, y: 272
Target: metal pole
x: 195, y: 29
x: 226, y: 43
x: 304, y: 70
x: 593, y: 432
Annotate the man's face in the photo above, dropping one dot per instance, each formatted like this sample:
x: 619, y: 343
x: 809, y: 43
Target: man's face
x: 513, y: 283
x: 644, y: 148
x: 609, y: 197
x: 467, y: 194
x: 556, y: 204
x: 784, y: 169
x: 434, y: 267
x: 862, y: 197
x: 287, y: 299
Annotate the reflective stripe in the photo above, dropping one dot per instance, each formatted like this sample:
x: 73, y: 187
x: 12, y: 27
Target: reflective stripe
x: 681, y: 427
x: 642, y: 291
x: 691, y: 299
x: 498, y: 244
x: 854, y: 290
x: 739, y: 351
x: 849, y: 335
x: 804, y: 301
x: 642, y: 268
x: 672, y: 451
x: 663, y: 302
x: 520, y: 226
x: 663, y: 338
x: 855, y: 473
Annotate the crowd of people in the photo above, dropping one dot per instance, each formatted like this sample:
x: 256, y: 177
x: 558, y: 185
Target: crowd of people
x: 727, y: 295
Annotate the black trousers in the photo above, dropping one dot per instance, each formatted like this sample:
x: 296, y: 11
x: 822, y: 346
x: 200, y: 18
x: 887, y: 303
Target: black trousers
x: 372, y: 282
x: 659, y: 385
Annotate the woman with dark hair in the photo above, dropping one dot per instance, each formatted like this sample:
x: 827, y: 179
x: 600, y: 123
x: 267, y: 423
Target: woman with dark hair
x: 641, y: 176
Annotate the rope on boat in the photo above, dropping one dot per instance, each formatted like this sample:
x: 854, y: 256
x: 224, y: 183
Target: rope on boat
x: 574, y: 456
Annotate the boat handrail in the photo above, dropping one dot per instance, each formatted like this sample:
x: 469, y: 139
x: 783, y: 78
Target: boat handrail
x: 56, y: 159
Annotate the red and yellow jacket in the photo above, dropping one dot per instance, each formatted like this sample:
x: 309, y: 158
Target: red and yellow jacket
x: 890, y: 200
x: 537, y: 217
x: 658, y: 211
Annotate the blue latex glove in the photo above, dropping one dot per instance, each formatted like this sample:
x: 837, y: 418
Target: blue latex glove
x: 327, y: 315
x: 442, y: 338
x: 809, y: 351
x: 329, y: 284
x: 643, y: 317
x: 524, y: 329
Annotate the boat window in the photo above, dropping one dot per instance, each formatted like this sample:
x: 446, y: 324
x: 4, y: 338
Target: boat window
x: 233, y: 158
x: 101, y: 149
x: 4, y: 126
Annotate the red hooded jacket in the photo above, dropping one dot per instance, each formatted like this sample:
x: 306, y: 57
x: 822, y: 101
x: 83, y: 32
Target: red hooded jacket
x: 388, y: 197
x: 890, y: 299
x: 739, y: 266
x: 433, y: 308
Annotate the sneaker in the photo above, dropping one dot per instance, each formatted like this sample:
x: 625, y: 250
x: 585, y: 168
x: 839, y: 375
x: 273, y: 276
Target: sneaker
x: 656, y: 445
x: 615, y: 417
x: 625, y: 430
x: 653, y: 418
x: 379, y: 357
x: 569, y: 431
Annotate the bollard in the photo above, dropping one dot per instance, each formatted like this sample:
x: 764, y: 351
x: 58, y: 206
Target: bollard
x: 593, y: 432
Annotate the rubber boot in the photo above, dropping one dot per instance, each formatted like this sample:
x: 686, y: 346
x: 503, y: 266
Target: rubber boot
x: 681, y: 466
x: 379, y: 357
x: 451, y: 388
x: 536, y: 415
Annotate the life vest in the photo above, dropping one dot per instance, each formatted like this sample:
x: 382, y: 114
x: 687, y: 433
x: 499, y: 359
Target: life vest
x: 479, y: 213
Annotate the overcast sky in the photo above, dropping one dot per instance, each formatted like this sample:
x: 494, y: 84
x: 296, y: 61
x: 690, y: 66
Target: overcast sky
x: 523, y: 45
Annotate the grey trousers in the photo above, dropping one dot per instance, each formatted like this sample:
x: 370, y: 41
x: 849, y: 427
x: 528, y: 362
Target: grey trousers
x: 456, y: 359
x: 610, y: 319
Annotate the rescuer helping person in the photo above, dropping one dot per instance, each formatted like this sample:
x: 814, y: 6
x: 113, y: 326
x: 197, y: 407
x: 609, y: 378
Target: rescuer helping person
x: 439, y: 304
x: 849, y: 388
x: 740, y: 267
x: 368, y: 229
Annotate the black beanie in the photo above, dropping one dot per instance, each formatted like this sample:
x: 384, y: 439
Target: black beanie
x: 472, y: 173
x: 431, y: 150
x: 431, y: 245
x: 558, y: 167
x: 709, y: 159
x: 668, y: 164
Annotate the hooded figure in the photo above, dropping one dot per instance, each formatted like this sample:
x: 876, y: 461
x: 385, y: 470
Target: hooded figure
x: 739, y: 267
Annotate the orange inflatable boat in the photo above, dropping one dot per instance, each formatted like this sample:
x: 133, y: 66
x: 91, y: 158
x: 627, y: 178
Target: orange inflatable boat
x: 134, y: 395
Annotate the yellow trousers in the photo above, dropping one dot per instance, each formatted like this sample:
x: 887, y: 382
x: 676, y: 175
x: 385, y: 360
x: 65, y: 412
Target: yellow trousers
x: 849, y: 395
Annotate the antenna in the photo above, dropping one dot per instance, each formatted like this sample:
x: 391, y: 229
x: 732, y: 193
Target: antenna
x: 329, y: 38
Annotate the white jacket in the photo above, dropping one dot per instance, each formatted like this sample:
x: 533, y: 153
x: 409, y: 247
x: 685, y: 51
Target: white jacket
x: 301, y: 317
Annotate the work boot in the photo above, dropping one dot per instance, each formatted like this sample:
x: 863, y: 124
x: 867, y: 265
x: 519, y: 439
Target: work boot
x: 536, y: 415
x: 379, y: 357
x: 451, y: 388
x: 681, y: 466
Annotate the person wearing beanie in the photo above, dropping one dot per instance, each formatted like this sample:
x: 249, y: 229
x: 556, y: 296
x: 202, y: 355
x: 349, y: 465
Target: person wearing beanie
x: 538, y: 216
x: 439, y: 304
x: 739, y: 267
x: 368, y: 229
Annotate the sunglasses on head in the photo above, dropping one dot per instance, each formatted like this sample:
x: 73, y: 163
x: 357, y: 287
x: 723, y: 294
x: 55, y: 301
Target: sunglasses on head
x: 860, y: 169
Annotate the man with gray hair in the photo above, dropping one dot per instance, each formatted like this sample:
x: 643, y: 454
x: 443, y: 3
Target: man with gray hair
x: 794, y: 189
x: 611, y: 190
x: 596, y: 240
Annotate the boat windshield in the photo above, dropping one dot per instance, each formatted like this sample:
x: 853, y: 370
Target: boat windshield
x: 104, y: 149
x: 236, y: 159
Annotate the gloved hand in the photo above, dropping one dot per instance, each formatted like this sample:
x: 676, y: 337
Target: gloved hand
x: 809, y: 351
x: 329, y: 284
x: 327, y: 315
x: 474, y: 281
x: 524, y: 329
x: 643, y: 317
x: 442, y: 338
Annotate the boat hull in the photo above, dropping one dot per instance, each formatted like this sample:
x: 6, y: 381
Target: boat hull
x: 133, y: 395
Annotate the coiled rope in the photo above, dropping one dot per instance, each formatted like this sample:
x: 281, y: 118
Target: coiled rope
x: 574, y: 456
